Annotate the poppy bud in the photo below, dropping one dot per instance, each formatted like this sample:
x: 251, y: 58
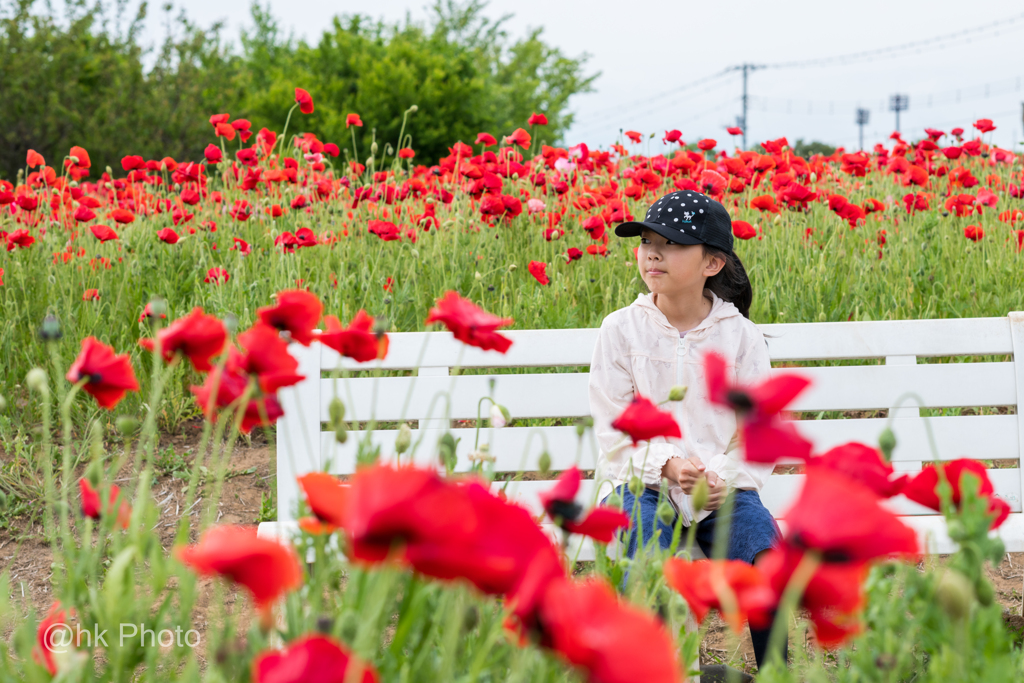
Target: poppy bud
x: 446, y: 449
x: 127, y: 425
x: 582, y: 425
x: 231, y: 323
x: 158, y: 307
x: 544, y: 463
x: 614, y: 501
x: 983, y: 589
x: 73, y: 159
x: 886, y: 443
x: 814, y: 177
x: 336, y: 411
x: 50, y: 329
x: 470, y: 618
x: 478, y: 276
x: 413, y: 109
x: 340, y: 433
x: 373, y: 149
x: 511, y: 267
x: 3, y: 403
x: 414, y: 253
x: 666, y: 513
x: 636, y: 486
x: 954, y: 594
x: 996, y: 548
x: 499, y: 416
x: 349, y: 626
x: 96, y: 440
x: 324, y: 625
x: 36, y: 380
x: 677, y: 393
x: 700, y: 494
x: 404, y: 438
x: 380, y: 326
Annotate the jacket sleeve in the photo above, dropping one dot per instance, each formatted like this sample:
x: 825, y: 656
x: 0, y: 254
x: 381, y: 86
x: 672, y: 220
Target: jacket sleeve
x: 752, y: 366
x: 611, y: 390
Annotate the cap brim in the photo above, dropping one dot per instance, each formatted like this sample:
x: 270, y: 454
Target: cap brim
x: 634, y: 228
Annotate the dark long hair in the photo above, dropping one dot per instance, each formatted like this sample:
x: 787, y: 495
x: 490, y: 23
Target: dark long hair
x: 731, y: 282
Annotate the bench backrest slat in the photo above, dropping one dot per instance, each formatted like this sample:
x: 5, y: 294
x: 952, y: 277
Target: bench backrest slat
x: 304, y: 446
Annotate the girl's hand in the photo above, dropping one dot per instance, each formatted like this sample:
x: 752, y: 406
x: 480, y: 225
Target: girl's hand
x: 685, y: 472
x: 716, y: 491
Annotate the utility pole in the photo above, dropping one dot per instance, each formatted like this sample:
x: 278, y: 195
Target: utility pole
x: 898, y: 103
x: 746, y: 69
x: 863, y: 116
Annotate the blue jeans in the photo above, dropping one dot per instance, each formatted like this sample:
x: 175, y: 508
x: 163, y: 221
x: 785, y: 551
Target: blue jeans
x: 753, y: 528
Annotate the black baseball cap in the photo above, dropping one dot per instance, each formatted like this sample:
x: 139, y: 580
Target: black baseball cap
x: 685, y: 217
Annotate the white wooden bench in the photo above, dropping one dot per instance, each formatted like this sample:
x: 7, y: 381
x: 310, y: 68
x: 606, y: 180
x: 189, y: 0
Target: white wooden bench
x: 303, y: 445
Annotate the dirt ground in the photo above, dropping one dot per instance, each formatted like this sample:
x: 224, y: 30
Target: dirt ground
x: 28, y: 557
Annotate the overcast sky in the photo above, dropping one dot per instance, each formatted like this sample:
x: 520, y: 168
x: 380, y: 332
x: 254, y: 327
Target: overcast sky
x: 646, y: 48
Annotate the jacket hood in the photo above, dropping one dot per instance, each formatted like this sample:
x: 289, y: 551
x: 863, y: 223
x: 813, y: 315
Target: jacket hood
x: 720, y: 310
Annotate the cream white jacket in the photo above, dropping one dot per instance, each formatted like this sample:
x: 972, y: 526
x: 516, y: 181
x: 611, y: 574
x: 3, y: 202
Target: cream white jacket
x: 639, y: 352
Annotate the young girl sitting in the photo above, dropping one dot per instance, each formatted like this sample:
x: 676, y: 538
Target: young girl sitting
x: 699, y: 301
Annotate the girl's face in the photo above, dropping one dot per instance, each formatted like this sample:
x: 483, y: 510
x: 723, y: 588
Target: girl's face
x: 670, y: 268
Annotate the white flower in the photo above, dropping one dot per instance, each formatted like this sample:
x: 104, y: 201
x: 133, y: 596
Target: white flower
x: 497, y: 417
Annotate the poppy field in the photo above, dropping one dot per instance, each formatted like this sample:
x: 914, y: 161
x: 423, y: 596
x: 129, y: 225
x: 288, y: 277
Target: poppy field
x: 168, y: 290
x: 923, y: 229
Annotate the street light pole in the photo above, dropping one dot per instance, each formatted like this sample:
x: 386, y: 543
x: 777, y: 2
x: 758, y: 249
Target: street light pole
x: 863, y: 116
x: 898, y: 103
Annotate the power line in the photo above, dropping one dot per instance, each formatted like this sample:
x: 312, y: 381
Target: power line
x: 1009, y: 23
x: 614, y: 110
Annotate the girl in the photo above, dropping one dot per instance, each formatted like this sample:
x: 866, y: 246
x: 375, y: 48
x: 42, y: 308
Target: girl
x: 699, y: 301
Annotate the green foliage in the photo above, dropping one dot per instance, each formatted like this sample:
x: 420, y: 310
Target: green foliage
x: 83, y: 80
x: 807, y: 149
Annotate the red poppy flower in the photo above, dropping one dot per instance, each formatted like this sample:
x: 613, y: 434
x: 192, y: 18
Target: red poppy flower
x: 470, y: 324
x: 672, y: 136
x: 708, y: 584
x: 312, y: 658
x: 984, y: 125
x: 765, y: 202
x: 357, y: 341
x: 922, y: 488
x: 225, y: 130
x: 296, y: 312
x: 707, y: 144
x: 20, y: 238
x: 574, y: 254
x: 232, y: 383
x: 91, y: 295
x: 91, y: 503
x: 842, y: 519
x: 765, y: 437
x: 485, y: 139
x: 734, y: 130
x: 353, y: 120
x: 266, y: 568
x: 103, y: 233
x: 974, y: 232
x: 519, y: 137
x: 167, y: 235
x: 331, y: 149
x: 537, y: 270
x: 122, y: 215
x: 642, y: 420
x: 147, y: 312
x: 83, y: 214
x: 327, y: 498
x: 743, y: 230
x: 863, y: 464
x: 582, y: 620
x: 559, y: 503
x: 385, y: 230
x: 54, y: 623
x: 537, y: 120
x: 241, y: 211
x: 305, y: 101
x: 406, y: 153
x: 217, y: 276
x: 197, y: 336
x: 833, y: 596
x: 108, y: 376
x: 34, y: 158
x: 81, y: 158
